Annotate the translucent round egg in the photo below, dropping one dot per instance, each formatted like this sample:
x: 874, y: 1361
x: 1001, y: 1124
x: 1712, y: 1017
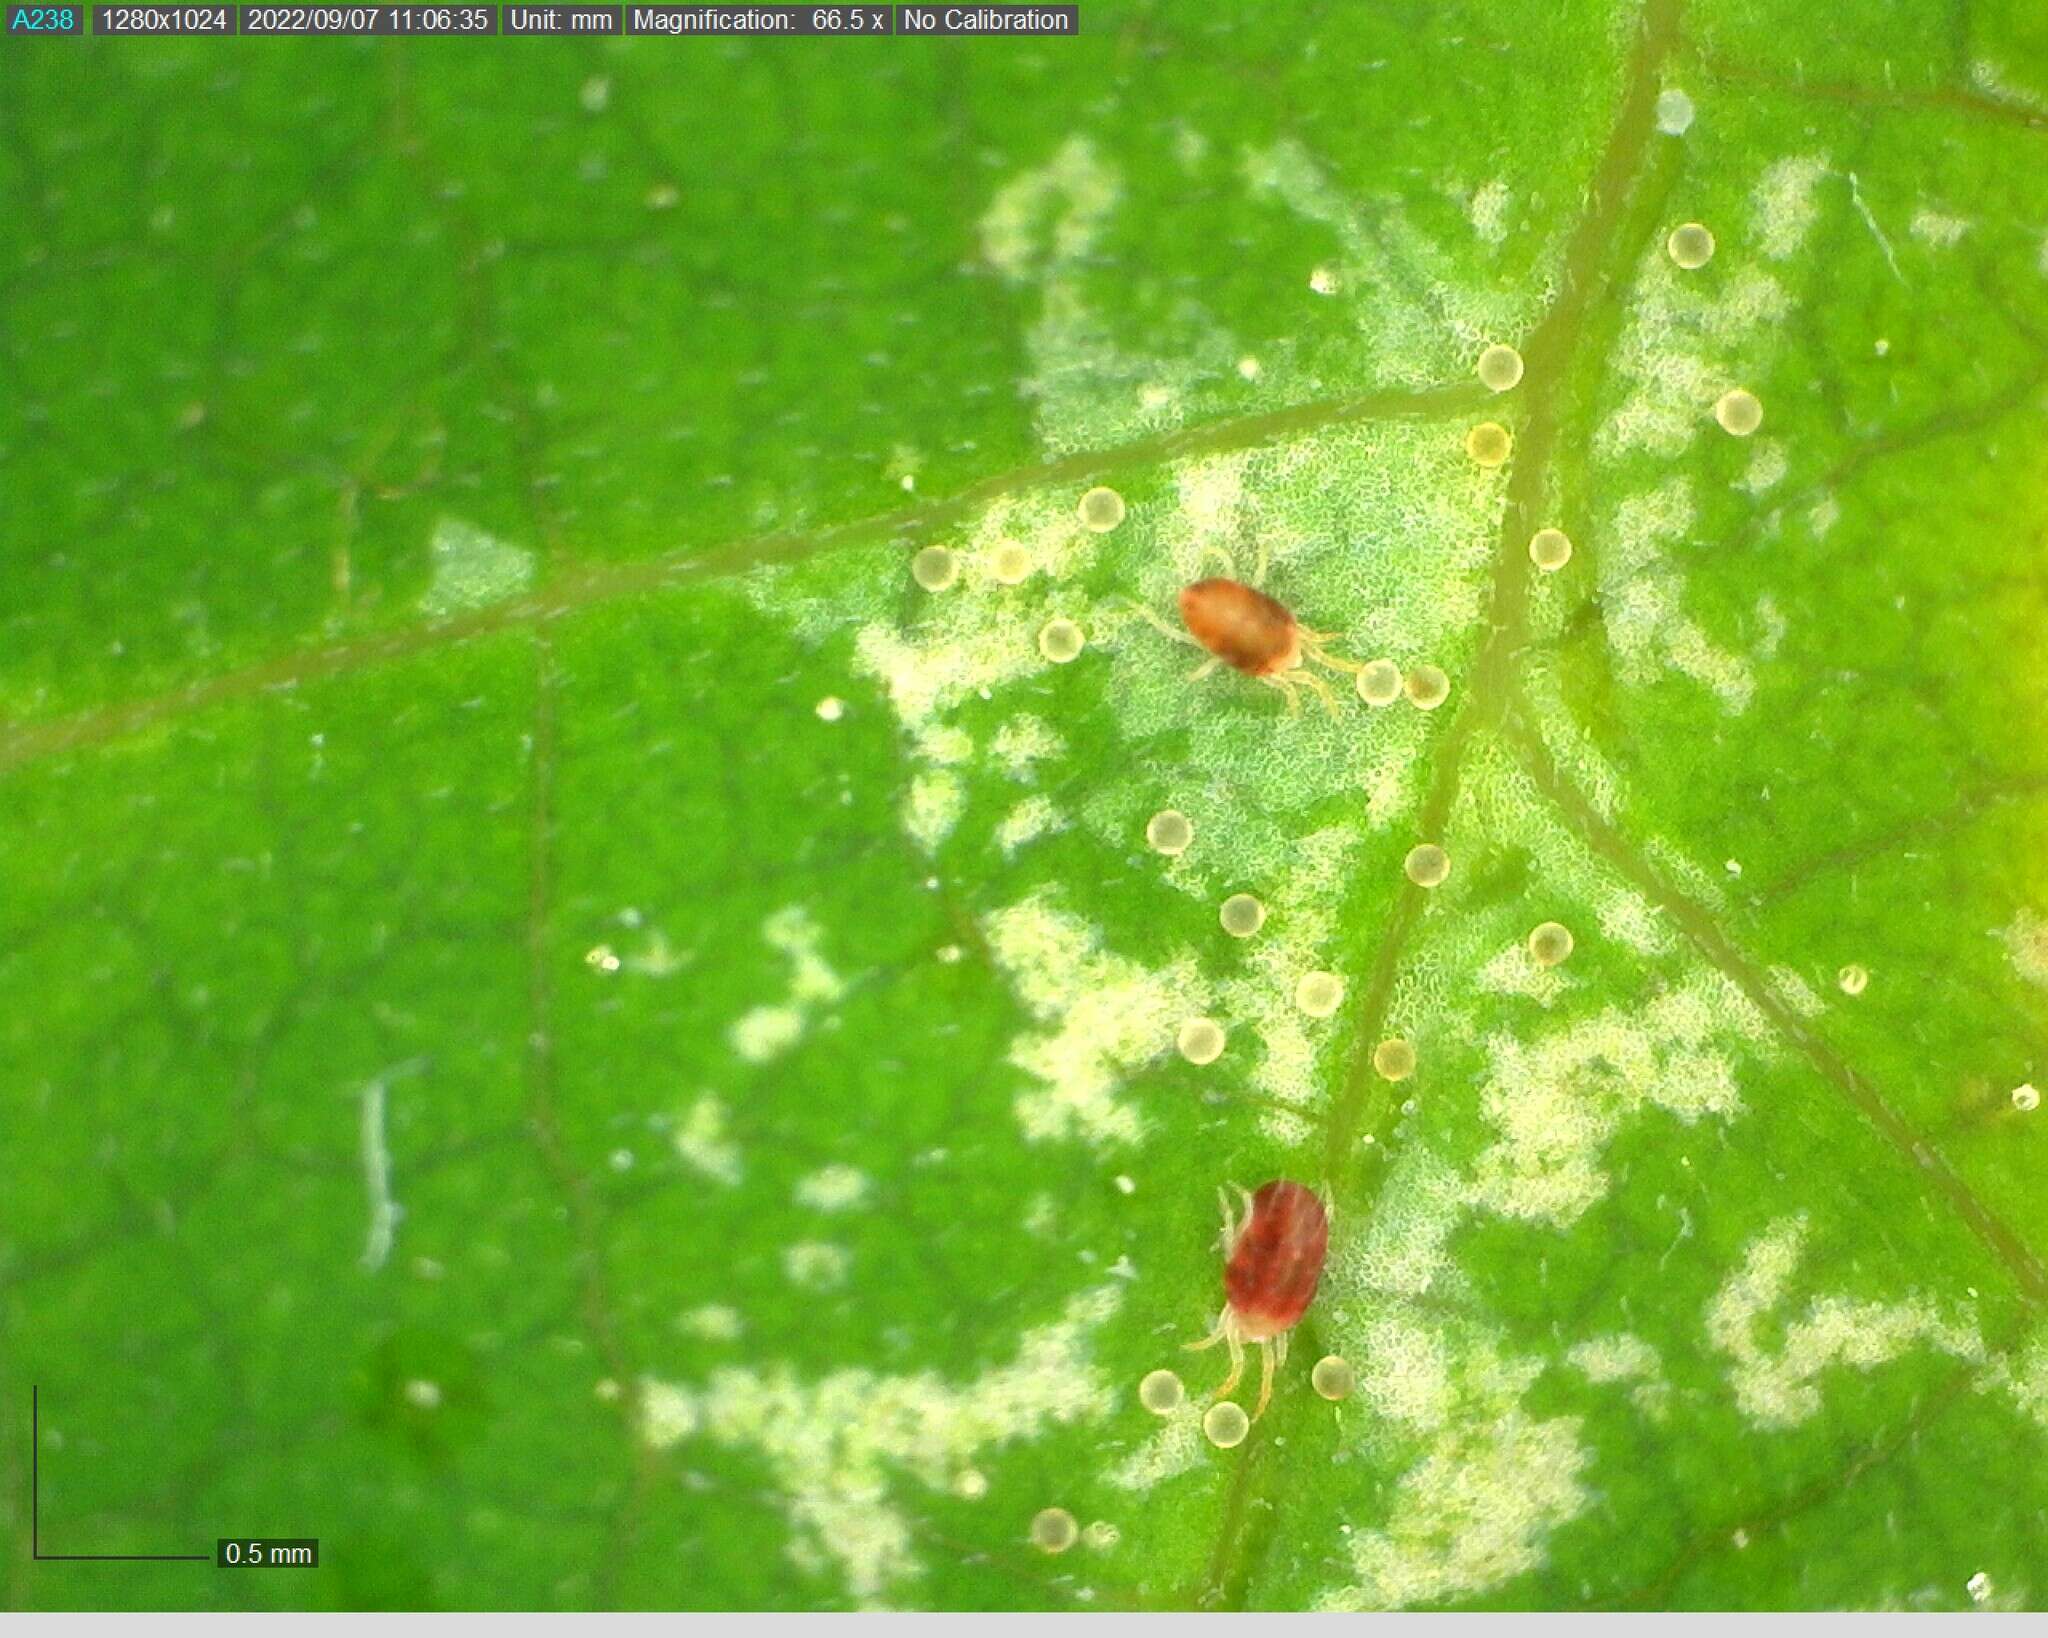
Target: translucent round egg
x: 1200, y: 1040
x: 1427, y: 864
x: 1739, y: 412
x: 1319, y: 994
x: 1060, y: 640
x: 1225, y: 1424
x: 1489, y: 444
x: 1161, y: 1392
x: 1500, y: 367
x: 1394, y: 1059
x: 1242, y: 915
x: 1333, y: 1377
x: 935, y: 568
x: 1100, y: 510
x: 1674, y: 112
x: 1550, y: 549
x: 1053, y: 1530
x: 1009, y: 564
x: 1690, y: 246
x: 1379, y: 682
x: 1169, y: 831
x: 1428, y: 687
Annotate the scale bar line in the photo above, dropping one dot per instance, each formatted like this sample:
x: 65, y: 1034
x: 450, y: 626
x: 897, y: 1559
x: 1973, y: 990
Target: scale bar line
x: 35, y: 1508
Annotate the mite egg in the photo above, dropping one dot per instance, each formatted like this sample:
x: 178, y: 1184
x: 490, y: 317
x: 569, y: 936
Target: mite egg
x: 1100, y: 510
x: 1550, y: 549
x: 1102, y: 1535
x: 1169, y: 831
x: 1500, y: 367
x: 1225, y: 1424
x: 1489, y: 444
x: 1690, y: 246
x: 1674, y: 112
x: 1854, y: 978
x: 1427, y: 864
x: 1161, y: 1392
x: 1550, y: 943
x: 1053, y: 1530
x: 1319, y: 994
x: 1009, y: 564
x: 1333, y: 1377
x: 1738, y: 412
x: 1060, y: 640
x: 1394, y: 1059
x: 1242, y: 915
x: 1428, y: 687
x: 2026, y: 1099
x: 1200, y: 1041
x: 935, y: 568
x: 1379, y: 682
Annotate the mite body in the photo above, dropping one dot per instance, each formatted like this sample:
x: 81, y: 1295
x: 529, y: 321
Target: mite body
x: 1275, y: 1258
x: 1243, y: 627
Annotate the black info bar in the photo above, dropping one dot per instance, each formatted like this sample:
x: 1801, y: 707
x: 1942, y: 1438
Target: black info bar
x: 159, y: 17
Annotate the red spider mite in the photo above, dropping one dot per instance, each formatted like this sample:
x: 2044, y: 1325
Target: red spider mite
x: 1275, y: 1259
x: 1242, y: 626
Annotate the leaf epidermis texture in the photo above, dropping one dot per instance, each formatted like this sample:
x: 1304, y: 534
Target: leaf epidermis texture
x: 591, y: 1022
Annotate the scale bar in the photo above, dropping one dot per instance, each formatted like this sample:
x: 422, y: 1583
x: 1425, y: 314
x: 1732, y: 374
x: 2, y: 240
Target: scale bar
x: 35, y: 1508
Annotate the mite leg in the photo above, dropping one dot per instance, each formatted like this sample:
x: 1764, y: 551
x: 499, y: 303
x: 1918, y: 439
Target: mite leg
x: 1266, y: 1369
x: 1222, y: 1333
x: 1319, y: 688
x: 1204, y: 669
x: 1152, y: 619
x: 1222, y: 552
x: 1229, y: 1220
x: 1245, y: 1195
x: 1285, y: 683
x: 1236, y: 1364
x: 1259, y: 568
x: 1313, y: 648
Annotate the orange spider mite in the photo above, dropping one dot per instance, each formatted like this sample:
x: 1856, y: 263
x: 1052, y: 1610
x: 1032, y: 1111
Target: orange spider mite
x: 1275, y: 1259
x: 1242, y: 626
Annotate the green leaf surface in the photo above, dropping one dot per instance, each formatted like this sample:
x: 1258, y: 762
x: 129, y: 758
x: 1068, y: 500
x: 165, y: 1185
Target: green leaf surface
x: 573, y: 1030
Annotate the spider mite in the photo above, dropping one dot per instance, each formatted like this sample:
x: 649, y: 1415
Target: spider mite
x: 1243, y: 627
x: 1275, y: 1259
